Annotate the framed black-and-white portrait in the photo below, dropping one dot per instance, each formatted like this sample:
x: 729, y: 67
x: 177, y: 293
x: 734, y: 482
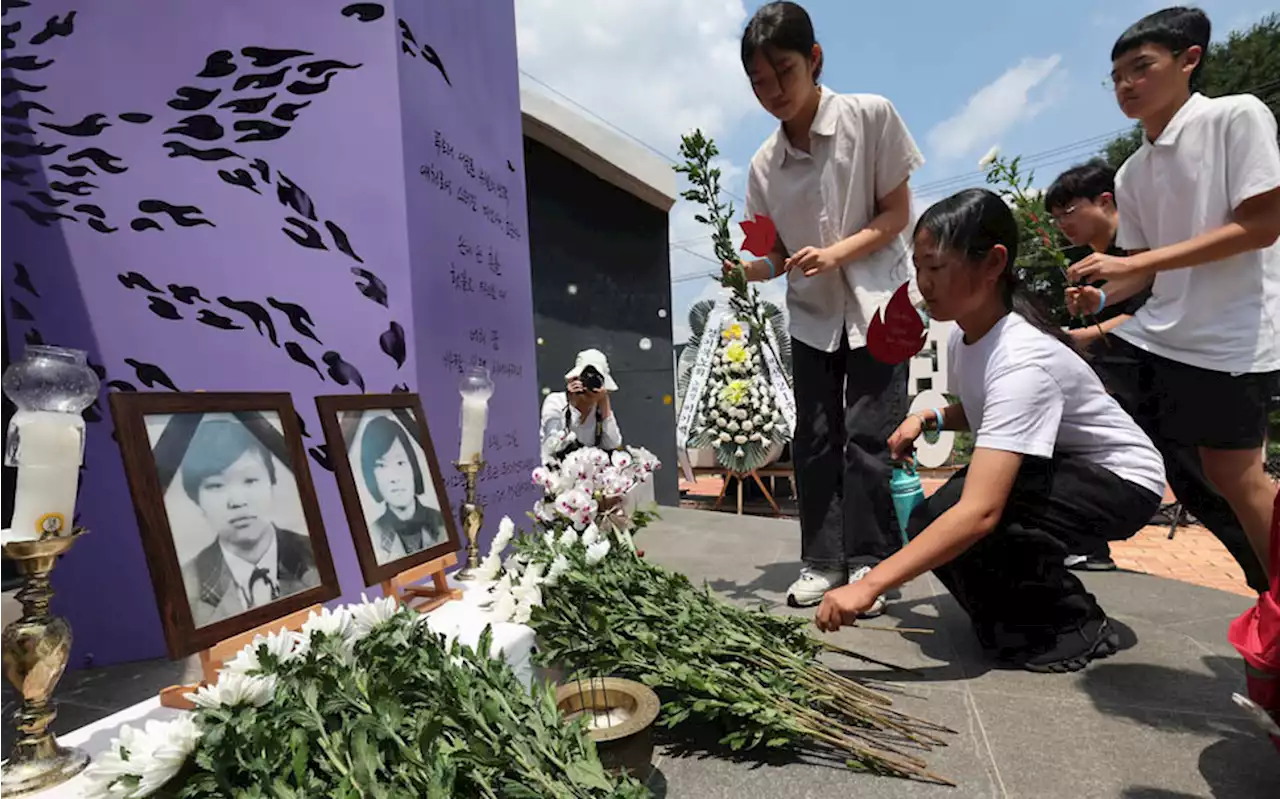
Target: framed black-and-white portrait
x: 390, y: 481
x: 226, y: 507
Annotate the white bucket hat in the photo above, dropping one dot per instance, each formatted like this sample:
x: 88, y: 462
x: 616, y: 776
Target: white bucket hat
x: 592, y: 358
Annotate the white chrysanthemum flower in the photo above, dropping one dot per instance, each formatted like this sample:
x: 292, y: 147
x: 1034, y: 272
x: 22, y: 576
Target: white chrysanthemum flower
x: 173, y: 741
x: 332, y: 623
x: 558, y: 567
x: 140, y: 761
x: 488, y: 569
x: 506, y: 532
x: 281, y: 645
x: 748, y: 425
x: 597, y: 552
x: 234, y: 689
x: 734, y: 427
x: 368, y: 614
x: 768, y: 427
x: 725, y: 438
x: 568, y: 538
x: 739, y: 439
x: 532, y: 575
x: 530, y: 595
x: 755, y: 437
x: 990, y: 158
x: 504, y: 606
x: 521, y: 613
x: 739, y: 454
x: 591, y: 535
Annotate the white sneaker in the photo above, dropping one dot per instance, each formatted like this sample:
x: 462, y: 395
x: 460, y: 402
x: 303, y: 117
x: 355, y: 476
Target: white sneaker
x: 878, y: 607
x: 813, y: 585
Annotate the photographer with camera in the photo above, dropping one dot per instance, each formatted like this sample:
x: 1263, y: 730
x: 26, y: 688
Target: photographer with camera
x: 583, y: 408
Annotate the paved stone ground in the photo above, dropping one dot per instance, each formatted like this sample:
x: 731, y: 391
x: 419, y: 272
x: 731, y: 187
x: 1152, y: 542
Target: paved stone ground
x: 1192, y: 556
x: 1155, y: 721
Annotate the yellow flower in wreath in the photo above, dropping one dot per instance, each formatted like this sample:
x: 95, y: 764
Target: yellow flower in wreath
x: 735, y: 392
x: 736, y: 353
x: 733, y: 332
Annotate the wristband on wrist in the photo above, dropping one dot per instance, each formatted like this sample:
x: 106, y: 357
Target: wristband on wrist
x: 930, y: 436
x: 1102, y: 301
x: 938, y: 415
x: 773, y: 270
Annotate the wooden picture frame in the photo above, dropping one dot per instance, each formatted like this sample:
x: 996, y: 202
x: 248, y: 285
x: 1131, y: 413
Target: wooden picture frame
x: 348, y: 416
x: 190, y: 462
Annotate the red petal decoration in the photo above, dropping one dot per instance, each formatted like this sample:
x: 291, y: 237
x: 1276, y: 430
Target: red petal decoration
x: 761, y: 235
x: 901, y: 334
x: 1256, y: 636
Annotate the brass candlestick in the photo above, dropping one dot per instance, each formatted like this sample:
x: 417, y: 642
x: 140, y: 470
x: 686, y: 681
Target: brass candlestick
x: 36, y: 650
x: 472, y: 516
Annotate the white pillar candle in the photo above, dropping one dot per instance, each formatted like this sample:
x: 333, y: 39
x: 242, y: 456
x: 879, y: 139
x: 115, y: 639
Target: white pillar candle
x: 475, y: 415
x: 50, y: 449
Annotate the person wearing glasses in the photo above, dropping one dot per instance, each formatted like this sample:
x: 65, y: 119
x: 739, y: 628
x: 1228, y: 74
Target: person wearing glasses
x: 1200, y: 217
x: 1082, y: 203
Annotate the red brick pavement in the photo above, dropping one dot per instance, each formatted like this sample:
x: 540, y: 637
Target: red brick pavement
x: 1193, y: 556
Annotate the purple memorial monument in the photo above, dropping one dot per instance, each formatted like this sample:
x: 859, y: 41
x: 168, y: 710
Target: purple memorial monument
x: 309, y: 196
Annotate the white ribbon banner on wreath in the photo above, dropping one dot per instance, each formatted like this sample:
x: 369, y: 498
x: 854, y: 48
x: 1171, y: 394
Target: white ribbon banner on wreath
x: 782, y: 394
x: 698, y: 381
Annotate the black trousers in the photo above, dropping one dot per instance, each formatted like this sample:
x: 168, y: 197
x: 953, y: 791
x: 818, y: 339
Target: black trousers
x: 1129, y: 374
x: 847, y: 405
x: 1013, y: 583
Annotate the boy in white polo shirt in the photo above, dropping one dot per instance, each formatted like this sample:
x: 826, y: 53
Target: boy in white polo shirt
x: 1201, y: 219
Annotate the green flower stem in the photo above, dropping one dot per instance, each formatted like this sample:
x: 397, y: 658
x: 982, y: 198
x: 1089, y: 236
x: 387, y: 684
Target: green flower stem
x: 1015, y: 187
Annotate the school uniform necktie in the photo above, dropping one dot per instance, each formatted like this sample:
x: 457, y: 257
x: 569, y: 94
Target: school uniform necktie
x: 262, y: 588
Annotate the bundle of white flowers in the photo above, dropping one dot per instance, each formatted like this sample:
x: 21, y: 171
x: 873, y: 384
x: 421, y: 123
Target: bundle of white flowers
x: 139, y: 761
x: 738, y: 414
x: 580, y: 519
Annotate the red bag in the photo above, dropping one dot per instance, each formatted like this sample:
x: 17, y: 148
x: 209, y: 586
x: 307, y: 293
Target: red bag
x: 1256, y: 636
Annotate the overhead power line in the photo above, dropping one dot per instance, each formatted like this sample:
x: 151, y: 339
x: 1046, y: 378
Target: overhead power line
x: 628, y: 134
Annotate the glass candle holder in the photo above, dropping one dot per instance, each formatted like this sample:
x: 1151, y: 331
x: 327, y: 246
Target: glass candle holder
x: 50, y: 387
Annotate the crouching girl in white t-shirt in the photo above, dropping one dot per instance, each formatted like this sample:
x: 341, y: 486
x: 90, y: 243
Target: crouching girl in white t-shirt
x: 1054, y: 457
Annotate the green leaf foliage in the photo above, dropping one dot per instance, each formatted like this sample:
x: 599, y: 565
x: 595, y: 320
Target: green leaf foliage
x: 404, y: 715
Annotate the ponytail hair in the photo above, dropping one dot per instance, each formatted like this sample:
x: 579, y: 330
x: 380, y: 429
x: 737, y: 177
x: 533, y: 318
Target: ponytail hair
x: 972, y: 222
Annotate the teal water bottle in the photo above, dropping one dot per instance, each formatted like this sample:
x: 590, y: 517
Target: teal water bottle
x: 907, y: 493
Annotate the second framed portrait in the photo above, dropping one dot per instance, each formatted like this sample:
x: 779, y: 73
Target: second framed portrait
x: 390, y: 480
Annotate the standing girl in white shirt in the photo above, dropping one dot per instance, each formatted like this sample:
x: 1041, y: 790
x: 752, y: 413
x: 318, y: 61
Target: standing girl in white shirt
x: 833, y: 178
x: 1055, y: 457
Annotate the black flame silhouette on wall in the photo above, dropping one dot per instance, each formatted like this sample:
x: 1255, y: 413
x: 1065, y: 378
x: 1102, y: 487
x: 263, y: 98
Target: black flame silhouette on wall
x: 236, y: 100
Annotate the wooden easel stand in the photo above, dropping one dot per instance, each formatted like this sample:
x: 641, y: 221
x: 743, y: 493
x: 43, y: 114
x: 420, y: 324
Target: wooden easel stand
x: 404, y: 587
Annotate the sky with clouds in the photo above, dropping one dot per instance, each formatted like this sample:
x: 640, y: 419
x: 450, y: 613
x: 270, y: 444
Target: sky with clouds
x: 1029, y: 77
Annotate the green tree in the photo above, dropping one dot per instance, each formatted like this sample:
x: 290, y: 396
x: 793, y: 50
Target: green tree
x: 1248, y: 62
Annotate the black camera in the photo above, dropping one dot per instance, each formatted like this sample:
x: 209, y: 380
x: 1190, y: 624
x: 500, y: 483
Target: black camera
x: 591, y: 379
